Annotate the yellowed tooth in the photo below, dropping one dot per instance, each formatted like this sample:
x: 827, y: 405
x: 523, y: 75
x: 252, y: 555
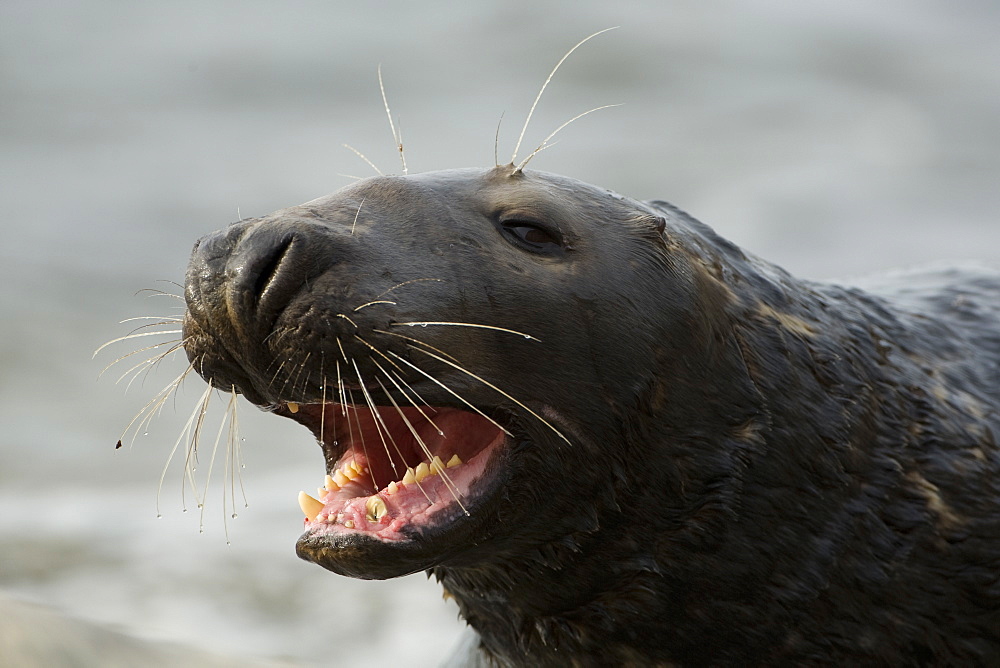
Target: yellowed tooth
x: 375, y: 508
x: 349, y: 471
x: 437, y: 465
x: 454, y: 461
x: 340, y: 478
x: 349, y: 524
x: 330, y: 484
x: 391, y: 488
x: 422, y: 471
x: 310, y: 506
x: 294, y: 408
x: 321, y: 492
x: 409, y: 477
x: 357, y: 467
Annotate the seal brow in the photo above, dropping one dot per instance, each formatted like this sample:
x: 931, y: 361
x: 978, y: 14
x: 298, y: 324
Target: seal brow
x: 397, y: 136
x: 363, y: 157
x: 545, y: 142
x: 527, y: 120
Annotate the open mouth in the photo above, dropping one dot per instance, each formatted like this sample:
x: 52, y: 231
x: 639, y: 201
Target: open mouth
x: 395, y: 473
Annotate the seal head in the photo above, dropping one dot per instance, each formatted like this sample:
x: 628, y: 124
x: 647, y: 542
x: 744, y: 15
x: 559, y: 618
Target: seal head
x: 611, y: 433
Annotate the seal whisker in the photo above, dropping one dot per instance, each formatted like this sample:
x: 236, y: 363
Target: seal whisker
x: 396, y: 136
x: 232, y: 472
x: 342, y: 353
x: 453, y: 489
x: 415, y: 280
x: 136, y: 352
x: 356, y: 215
x: 147, y: 412
x: 340, y: 390
x: 150, y: 363
x: 354, y: 324
x: 380, y: 425
x: 208, y: 478
x: 377, y: 351
x: 531, y: 111
x: 363, y: 157
x: 298, y: 375
x: 191, y: 460
x: 497, y: 389
x: 169, y: 320
x: 154, y: 292
x: 496, y: 143
x: 403, y: 392
x: 361, y: 431
x: 275, y: 376
x: 418, y: 341
x: 373, y: 303
x: 427, y: 451
x: 182, y: 437
x: 449, y: 390
x: 415, y: 393
x: 545, y: 142
x: 462, y: 324
x: 134, y: 336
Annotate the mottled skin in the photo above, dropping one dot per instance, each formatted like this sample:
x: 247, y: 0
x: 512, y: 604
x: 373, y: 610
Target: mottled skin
x: 760, y: 469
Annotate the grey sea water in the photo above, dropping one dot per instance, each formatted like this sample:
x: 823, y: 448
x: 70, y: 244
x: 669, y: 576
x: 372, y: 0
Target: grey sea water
x: 832, y: 138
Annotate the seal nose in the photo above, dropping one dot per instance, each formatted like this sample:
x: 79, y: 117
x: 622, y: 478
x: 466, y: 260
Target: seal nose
x: 247, y: 273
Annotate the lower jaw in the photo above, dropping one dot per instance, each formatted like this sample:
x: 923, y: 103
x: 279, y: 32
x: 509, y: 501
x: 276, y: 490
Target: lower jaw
x: 421, y: 527
x: 370, y: 557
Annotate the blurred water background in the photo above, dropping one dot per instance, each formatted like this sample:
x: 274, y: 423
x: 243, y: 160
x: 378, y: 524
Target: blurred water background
x: 832, y: 138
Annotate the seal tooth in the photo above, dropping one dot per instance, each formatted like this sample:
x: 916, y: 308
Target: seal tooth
x: 375, y: 508
x: 349, y: 524
x: 454, y: 461
x: 353, y: 470
x: 392, y: 488
x: 437, y: 465
x: 294, y: 408
x: 422, y: 471
x: 310, y: 506
x: 330, y: 484
x: 340, y: 478
x: 409, y: 477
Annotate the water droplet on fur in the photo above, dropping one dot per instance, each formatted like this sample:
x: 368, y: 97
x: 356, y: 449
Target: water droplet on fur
x: 159, y: 516
x: 233, y: 516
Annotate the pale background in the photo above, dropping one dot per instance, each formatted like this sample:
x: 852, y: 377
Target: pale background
x: 835, y: 138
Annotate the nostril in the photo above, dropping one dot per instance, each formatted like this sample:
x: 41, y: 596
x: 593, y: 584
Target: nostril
x: 270, y: 266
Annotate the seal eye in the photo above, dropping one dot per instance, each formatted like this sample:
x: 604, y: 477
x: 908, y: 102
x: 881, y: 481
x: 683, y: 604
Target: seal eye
x: 532, y: 236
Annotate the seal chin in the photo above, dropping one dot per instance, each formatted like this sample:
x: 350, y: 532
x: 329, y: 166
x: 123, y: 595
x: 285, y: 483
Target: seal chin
x: 402, y: 488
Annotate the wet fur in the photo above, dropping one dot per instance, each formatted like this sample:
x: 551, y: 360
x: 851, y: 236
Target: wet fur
x: 760, y: 469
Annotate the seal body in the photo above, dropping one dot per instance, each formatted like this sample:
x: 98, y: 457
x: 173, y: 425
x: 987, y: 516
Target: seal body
x: 672, y: 452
